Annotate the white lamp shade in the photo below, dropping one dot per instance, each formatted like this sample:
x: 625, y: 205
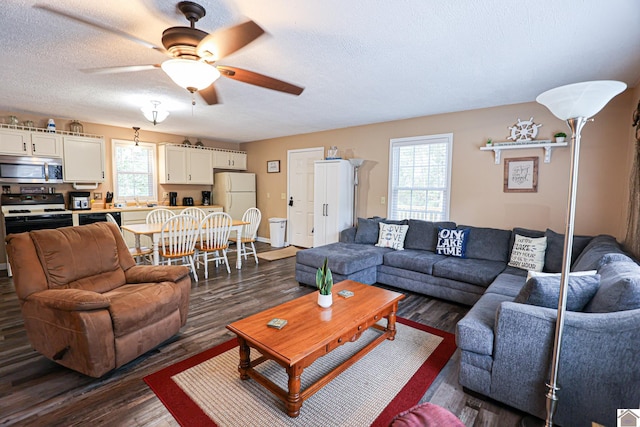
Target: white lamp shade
x: 356, y: 162
x: 189, y: 73
x: 580, y: 99
x: 159, y: 113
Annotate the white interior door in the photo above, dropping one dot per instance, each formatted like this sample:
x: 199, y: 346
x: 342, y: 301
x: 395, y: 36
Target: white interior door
x: 300, y: 200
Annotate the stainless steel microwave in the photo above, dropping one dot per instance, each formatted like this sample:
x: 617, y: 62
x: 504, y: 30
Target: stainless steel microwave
x: 30, y: 170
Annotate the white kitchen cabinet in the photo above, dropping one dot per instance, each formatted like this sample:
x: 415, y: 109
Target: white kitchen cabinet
x: 199, y: 166
x: 24, y: 143
x: 15, y: 142
x: 46, y: 144
x: 223, y: 159
x: 184, y: 165
x: 332, y: 200
x: 172, y: 164
x: 211, y: 209
x: 84, y: 159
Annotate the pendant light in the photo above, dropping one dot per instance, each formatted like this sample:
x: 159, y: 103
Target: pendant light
x: 155, y: 114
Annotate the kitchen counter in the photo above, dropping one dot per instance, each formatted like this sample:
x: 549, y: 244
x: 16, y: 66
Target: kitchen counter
x: 141, y: 208
x: 130, y: 214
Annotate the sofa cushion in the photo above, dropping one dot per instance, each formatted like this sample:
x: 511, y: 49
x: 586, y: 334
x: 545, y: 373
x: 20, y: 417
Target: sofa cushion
x: 79, y: 257
x: 596, y: 249
x: 420, y: 261
x: 135, y: 306
x: 475, y: 271
x: 452, y: 242
x: 614, y: 257
x: 391, y: 236
x: 619, y: 288
x: 424, y: 234
x: 515, y: 271
x: 488, y: 243
x: 507, y: 284
x: 475, y: 331
x: 368, y: 229
x: 544, y: 291
x: 528, y: 253
x: 344, y: 258
x: 555, y: 250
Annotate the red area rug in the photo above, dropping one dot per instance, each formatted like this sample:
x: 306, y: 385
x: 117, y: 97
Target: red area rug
x: 194, y: 405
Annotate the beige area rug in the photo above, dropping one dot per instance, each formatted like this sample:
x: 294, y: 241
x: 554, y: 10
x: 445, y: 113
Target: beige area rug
x: 391, y: 378
x: 287, y: 252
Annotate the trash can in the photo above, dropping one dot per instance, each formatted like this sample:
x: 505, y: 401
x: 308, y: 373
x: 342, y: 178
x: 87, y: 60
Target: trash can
x: 277, y: 229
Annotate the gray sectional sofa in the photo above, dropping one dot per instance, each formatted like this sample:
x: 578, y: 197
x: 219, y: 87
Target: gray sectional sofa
x: 506, y: 338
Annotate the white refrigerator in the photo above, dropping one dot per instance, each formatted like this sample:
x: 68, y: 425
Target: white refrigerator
x: 235, y: 192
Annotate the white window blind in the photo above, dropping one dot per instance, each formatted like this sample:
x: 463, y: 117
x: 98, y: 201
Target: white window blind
x: 134, y: 172
x: 420, y: 177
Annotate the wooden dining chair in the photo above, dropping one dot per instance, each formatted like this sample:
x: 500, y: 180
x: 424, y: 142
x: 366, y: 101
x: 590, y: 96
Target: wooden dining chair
x: 215, y: 229
x: 142, y: 254
x: 248, y: 237
x: 179, y: 235
x: 195, y: 211
x: 159, y: 216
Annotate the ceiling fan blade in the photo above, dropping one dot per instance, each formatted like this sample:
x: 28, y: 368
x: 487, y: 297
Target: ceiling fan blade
x: 98, y: 24
x: 209, y: 94
x: 122, y: 69
x: 257, y: 79
x: 224, y: 42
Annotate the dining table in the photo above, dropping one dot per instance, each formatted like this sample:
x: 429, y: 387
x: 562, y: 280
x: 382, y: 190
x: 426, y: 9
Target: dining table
x: 154, y: 230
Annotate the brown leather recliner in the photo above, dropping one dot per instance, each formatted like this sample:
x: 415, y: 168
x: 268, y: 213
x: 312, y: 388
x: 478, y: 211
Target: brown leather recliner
x: 86, y: 304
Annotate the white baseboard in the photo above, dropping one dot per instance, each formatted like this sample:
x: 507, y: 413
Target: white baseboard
x: 265, y: 240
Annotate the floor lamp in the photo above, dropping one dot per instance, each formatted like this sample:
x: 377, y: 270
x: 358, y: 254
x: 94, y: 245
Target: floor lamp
x: 575, y: 103
x: 356, y: 163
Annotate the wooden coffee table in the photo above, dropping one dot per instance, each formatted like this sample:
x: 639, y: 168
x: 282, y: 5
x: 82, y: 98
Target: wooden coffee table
x: 312, y: 332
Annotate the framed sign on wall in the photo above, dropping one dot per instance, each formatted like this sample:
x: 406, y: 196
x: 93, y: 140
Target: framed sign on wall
x: 521, y: 175
x: 273, y: 166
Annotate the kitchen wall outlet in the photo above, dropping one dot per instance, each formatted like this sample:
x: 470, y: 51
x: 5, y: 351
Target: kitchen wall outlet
x: 383, y: 200
x: 97, y: 196
x: 165, y: 194
x: 283, y: 196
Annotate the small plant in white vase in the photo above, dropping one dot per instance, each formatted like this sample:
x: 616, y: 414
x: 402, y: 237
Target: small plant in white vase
x: 560, y: 136
x: 324, y: 282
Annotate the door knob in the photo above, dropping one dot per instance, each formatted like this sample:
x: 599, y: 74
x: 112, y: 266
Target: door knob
x: 291, y: 201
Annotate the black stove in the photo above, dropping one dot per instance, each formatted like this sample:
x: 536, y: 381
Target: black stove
x: 27, y: 212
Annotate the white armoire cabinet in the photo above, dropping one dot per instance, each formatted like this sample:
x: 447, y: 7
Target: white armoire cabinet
x: 333, y: 200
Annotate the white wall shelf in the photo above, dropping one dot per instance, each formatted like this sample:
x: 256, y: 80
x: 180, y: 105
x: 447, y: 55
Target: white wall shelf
x: 547, y: 145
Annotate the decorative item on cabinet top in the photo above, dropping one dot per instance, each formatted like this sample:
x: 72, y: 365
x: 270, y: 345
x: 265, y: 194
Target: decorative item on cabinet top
x: 202, y: 147
x: 27, y: 126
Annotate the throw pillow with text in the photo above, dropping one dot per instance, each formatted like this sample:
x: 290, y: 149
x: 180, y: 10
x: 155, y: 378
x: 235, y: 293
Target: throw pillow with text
x: 392, y: 236
x: 452, y: 242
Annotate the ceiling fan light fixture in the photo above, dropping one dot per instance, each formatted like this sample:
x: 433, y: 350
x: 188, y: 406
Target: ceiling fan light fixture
x: 155, y: 114
x: 190, y: 74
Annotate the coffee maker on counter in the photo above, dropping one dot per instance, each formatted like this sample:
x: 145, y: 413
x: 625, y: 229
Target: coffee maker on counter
x: 79, y: 200
x: 206, y: 198
x: 173, y: 198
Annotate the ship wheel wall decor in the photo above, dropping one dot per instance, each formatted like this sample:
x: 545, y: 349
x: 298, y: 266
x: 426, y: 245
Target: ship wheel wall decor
x: 523, y: 131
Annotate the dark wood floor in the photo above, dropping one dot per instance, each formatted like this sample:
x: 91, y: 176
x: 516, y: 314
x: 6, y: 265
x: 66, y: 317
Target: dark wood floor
x: 35, y: 391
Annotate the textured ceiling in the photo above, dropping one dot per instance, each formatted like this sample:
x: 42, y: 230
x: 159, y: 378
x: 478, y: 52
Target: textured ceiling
x: 360, y: 61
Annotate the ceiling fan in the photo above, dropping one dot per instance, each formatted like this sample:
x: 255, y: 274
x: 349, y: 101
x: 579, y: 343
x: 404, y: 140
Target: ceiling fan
x: 194, y: 53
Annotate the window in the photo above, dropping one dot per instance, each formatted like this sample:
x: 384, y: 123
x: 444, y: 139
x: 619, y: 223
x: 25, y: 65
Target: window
x: 420, y: 177
x: 134, y: 171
